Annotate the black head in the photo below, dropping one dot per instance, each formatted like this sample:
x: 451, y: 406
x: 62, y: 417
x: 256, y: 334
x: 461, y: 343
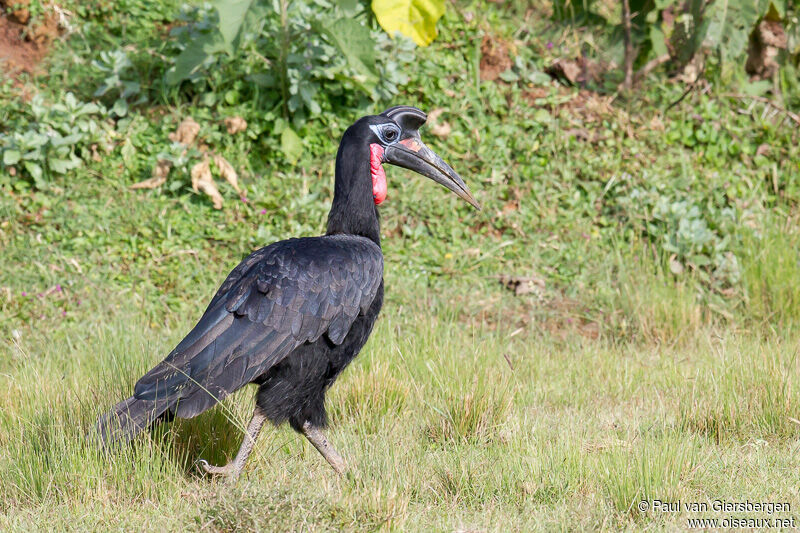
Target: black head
x: 393, y: 137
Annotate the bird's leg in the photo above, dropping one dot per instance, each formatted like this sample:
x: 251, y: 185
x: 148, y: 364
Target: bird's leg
x: 315, y: 436
x: 234, y: 468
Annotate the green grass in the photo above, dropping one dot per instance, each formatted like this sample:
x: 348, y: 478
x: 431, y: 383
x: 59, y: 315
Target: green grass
x: 637, y: 372
x: 438, y: 430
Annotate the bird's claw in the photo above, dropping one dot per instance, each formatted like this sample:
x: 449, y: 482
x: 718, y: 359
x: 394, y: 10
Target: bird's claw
x: 226, y: 470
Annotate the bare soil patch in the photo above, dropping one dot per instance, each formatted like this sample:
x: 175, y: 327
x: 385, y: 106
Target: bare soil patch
x: 495, y: 58
x: 24, y: 42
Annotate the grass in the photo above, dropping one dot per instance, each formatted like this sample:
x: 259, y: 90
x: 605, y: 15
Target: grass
x: 637, y: 372
x: 439, y: 431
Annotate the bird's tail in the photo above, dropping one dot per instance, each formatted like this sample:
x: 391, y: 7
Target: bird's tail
x: 129, y: 417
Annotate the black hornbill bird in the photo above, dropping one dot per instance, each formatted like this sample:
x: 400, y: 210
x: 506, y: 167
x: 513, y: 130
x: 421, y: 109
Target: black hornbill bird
x: 292, y: 315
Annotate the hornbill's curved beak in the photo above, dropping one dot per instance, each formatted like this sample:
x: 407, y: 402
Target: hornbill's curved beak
x: 411, y: 153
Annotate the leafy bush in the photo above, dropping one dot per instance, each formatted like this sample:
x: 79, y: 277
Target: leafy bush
x: 292, y: 60
x: 695, y: 236
x: 57, y: 139
x: 119, y: 81
x: 675, y: 30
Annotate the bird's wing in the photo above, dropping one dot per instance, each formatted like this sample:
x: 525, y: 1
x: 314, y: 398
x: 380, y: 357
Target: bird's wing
x: 279, y: 297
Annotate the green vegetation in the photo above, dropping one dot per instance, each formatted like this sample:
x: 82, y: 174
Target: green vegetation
x: 653, y: 356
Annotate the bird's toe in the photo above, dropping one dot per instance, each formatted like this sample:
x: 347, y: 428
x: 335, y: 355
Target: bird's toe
x: 214, y: 470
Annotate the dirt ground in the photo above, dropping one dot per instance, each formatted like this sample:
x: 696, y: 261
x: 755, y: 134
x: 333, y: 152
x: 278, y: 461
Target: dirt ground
x: 23, y: 41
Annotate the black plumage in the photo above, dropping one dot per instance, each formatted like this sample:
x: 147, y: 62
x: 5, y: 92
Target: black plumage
x: 292, y: 315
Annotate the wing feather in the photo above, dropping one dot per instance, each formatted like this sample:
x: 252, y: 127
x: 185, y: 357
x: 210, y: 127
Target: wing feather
x: 276, y: 299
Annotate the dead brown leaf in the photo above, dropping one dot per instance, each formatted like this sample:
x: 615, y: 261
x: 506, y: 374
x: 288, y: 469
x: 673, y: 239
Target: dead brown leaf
x: 675, y: 266
x: 763, y: 149
x: 202, y: 181
x: 691, y: 71
x: 656, y: 124
x: 226, y: 171
x: 564, y: 70
x: 158, y: 178
x: 766, y: 41
x: 186, y: 133
x: 235, y: 125
x: 578, y: 71
x: 440, y: 129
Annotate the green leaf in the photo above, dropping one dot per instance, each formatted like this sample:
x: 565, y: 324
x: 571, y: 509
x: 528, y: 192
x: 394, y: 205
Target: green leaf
x: 193, y: 56
x: 657, y: 41
x: 509, y: 76
x: 60, y: 165
x: 349, y: 7
x: 413, y: 18
x: 291, y: 145
x: 127, y: 151
x: 34, y: 170
x: 11, y: 157
x: 542, y: 116
x: 757, y: 88
x: 730, y: 23
x: 231, y: 17
x: 700, y: 260
x: 120, y: 108
x: 185, y: 64
x: 539, y: 78
x: 355, y: 43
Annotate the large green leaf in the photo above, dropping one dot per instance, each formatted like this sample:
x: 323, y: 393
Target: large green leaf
x: 356, y: 45
x: 11, y: 157
x: 193, y: 56
x: 413, y: 18
x: 291, y: 145
x: 231, y: 17
x: 62, y: 166
x: 35, y: 171
x: 730, y: 24
x: 349, y: 7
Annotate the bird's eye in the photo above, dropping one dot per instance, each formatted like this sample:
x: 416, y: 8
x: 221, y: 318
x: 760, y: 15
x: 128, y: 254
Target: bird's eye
x: 387, y: 133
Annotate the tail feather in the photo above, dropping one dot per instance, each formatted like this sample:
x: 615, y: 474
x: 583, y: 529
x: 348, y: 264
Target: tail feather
x: 128, y: 418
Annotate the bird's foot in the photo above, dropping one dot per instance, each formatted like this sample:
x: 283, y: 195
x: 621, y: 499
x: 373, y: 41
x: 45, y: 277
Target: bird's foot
x: 316, y: 437
x: 234, y: 468
x: 231, y: 470
x: 337, y: 463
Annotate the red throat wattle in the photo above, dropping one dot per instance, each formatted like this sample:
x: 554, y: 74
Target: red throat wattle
x: 379, y: 187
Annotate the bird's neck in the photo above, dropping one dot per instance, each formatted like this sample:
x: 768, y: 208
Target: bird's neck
x: 353, y: 211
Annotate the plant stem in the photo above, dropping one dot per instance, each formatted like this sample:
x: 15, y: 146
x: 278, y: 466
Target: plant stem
x: 284, y: 52
x: 626, y: 26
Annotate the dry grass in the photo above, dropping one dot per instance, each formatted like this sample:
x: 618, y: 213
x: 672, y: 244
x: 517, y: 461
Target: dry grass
x: 440, y: 432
